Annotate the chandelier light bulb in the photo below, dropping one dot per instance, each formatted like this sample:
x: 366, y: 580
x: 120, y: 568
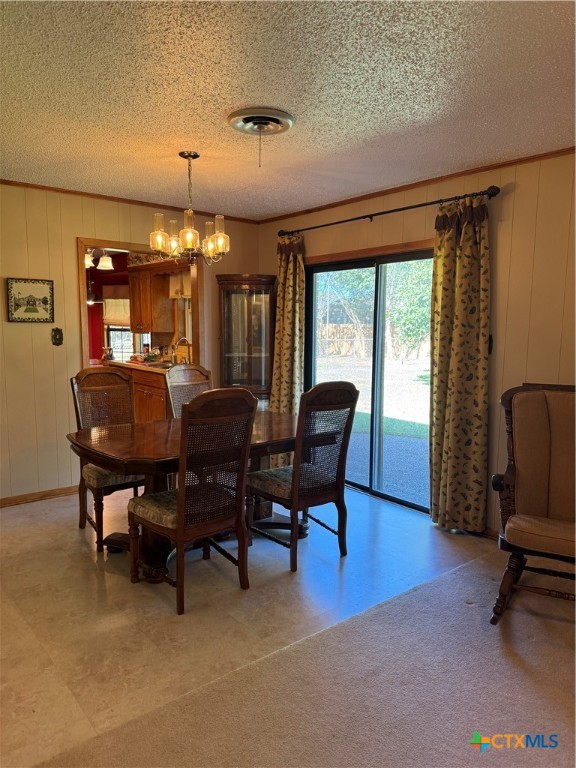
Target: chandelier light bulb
x: 208, y: 243
x: 173, y: 238
x: 159, y: 238
x: 220, y: 239
x: 189, y: 236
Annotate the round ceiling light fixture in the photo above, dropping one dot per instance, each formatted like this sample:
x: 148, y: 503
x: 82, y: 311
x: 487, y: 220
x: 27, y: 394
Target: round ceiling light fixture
x: 261, y: 120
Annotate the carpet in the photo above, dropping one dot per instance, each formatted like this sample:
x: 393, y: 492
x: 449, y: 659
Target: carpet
x: 404, y: 685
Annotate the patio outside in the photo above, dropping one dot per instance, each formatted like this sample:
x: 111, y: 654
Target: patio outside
x: 406, y: 418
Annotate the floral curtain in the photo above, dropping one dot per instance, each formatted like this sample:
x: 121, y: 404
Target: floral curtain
x: 459, y: 366
x: 288, y: 367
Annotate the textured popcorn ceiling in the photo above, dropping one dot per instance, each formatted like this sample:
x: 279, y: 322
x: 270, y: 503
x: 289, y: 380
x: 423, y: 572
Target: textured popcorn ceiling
x: 101, y: 96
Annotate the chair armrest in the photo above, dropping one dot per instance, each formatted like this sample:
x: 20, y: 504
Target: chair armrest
x: 505, y: 482
x: 505, y: 485
x: 497, y: 482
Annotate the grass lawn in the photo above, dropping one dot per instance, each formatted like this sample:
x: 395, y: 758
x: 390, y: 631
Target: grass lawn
x: 391, y: 426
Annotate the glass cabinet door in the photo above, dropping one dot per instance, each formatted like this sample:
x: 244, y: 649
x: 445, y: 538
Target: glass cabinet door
x: 247, y: 331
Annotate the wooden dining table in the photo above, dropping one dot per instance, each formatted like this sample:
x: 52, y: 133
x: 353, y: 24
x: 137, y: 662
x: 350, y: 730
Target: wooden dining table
x: 152, y: 449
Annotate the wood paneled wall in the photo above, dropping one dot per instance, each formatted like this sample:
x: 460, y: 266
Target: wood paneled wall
x: 38, y: 231
x: 532, y: 251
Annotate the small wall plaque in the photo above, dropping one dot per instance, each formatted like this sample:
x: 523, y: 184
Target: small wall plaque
x: 30, y: 301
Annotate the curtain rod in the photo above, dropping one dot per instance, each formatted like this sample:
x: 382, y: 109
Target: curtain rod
x: 490, y: 192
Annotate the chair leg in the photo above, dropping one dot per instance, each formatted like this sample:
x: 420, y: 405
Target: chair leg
x: 180, y: 577
x: 520, y: 570
x: 206, y: 549
x: 134, y: 532
x: 511, y: 575
x: 82, y: 503
x: 99, y: 518
x: 342, y: 519
x: 243, y: 540
x: 250, y: 500
x: 293, y: 540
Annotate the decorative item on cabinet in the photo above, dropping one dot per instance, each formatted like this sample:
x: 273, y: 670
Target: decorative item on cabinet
x: 247, y: 315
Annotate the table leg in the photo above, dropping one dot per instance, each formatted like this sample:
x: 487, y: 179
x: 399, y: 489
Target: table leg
x: 155, y: 549
x: 262, y: 509
x: 117, y: 542
x: 281, y: 522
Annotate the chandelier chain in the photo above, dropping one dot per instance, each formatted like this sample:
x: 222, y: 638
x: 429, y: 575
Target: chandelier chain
x: 189, y: 183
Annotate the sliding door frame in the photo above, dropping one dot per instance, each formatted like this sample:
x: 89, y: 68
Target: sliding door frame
x: 377, y: 389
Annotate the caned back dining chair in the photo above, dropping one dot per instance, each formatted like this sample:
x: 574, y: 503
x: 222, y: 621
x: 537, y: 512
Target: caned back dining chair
x: 211, y: 496
x: 537, y: 490
x: 317, y: 474
x: 186, y: 381
x: 102, y: 395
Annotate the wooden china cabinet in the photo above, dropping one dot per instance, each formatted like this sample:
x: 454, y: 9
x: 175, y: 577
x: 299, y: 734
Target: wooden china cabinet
x: 247, y: 316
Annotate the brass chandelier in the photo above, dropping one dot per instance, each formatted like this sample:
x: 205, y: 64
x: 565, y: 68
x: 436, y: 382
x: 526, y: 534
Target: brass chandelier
x: 185, y: 245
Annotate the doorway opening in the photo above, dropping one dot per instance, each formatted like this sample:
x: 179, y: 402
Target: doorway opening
x: 369, y: 323
x: 112, y: 284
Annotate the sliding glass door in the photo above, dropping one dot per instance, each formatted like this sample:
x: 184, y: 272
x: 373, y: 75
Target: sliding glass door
x: 370, y: 324
x: 341, y: 339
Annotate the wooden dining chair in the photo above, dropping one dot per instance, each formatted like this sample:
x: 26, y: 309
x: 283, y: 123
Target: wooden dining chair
x: 215, y: 440
x: 317, y: 474
x: 102, y: 396
x: 185, y: 381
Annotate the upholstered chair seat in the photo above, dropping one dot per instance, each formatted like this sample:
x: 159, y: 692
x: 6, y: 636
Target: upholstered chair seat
x: 96, y: 477
x: 162, y: 508
x: 278, y: 481
x: 555, y: 537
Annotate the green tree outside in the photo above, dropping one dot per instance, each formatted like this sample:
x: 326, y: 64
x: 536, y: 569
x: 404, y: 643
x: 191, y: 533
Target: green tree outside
x: 348, y: 297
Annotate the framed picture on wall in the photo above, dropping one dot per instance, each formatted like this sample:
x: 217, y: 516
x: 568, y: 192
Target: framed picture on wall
x: 30, y: 301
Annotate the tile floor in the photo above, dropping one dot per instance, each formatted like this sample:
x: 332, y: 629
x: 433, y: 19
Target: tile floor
x: 84, y: 650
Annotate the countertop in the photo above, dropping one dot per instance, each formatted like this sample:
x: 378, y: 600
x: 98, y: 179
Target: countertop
x: 148, y: 367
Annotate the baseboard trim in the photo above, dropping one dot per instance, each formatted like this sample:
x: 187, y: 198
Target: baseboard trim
x: 26, y: 498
